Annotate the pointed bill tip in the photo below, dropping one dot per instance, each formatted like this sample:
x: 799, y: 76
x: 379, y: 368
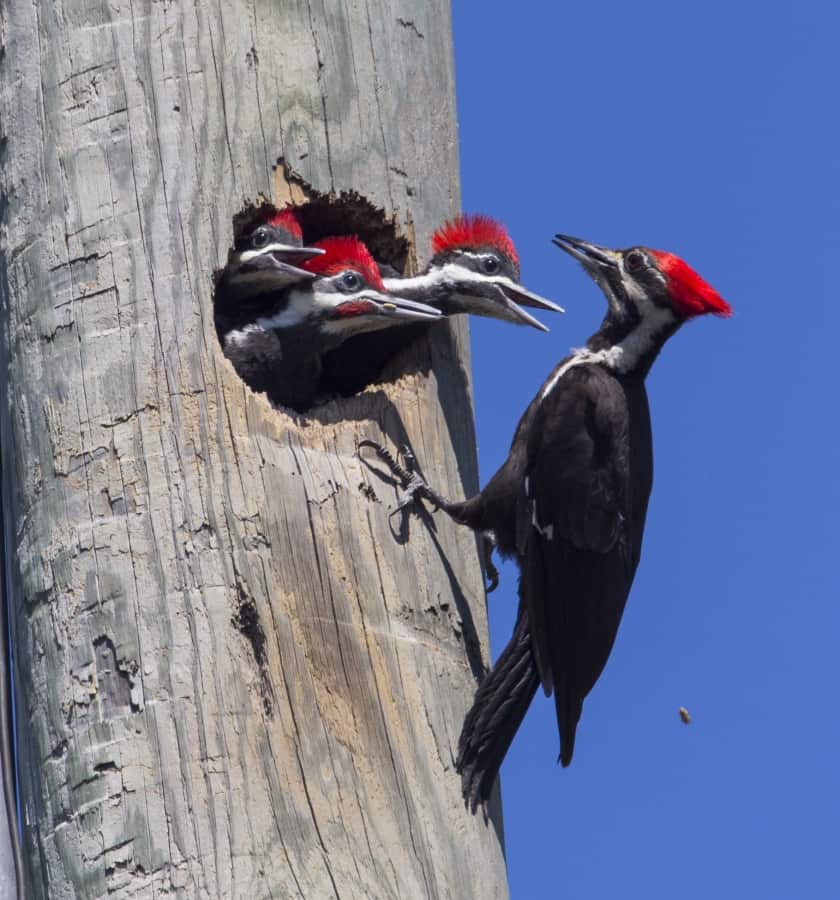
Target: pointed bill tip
x: 519, y: 316
x: 515, y: 297
x: 400, y: 308
x: 591, y: 255
x: 522, y: 296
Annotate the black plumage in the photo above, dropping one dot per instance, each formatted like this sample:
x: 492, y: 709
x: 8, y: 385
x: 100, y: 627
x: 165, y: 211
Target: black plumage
x: 569, y: 504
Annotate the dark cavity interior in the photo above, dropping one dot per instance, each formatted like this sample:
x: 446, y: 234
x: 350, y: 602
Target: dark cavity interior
x: 361, y: 360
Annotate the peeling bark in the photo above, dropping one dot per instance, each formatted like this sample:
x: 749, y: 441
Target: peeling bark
x: 233, y: 679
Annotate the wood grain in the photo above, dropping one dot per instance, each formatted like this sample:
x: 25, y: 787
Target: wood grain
x: 233, y: 678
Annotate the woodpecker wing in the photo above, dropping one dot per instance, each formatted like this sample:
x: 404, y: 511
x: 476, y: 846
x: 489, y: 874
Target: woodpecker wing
x: 571, y: 535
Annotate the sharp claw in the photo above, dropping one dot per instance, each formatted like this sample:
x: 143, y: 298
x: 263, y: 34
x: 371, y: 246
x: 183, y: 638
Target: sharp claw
x: 412, y: 493
x: 408, y: 459
x: 414, y: 487
x: 406, y: 498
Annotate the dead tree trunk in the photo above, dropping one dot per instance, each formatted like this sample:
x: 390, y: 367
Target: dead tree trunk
x: 232, y: 680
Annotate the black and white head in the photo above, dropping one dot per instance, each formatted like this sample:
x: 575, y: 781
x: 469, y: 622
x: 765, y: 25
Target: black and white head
x: 348, y: 296
x: 650, y: 293
x: 476, y: 261
x: 267, y: 254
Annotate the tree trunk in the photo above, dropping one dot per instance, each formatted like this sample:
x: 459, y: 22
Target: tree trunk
x: 233, y: 679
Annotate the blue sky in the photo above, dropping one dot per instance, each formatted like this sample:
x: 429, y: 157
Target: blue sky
x: 710, y: 130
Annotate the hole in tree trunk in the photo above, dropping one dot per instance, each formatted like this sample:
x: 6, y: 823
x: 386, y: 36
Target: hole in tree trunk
x: 361, y: 360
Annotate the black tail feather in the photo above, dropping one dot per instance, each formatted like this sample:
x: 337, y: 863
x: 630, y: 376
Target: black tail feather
x: 498, y: 709
x: 569, y: 708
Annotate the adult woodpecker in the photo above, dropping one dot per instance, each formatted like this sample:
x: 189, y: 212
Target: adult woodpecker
x: 275, y: 321
x: 569, y: 503
x: 474, y: 269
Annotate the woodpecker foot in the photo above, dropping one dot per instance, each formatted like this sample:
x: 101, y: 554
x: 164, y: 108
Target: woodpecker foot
x: 414, y: 487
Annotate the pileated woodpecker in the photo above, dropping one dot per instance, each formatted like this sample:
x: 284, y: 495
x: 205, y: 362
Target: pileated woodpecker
x: 474, y: 269
x: 569, y: 503
x: 275, y: 321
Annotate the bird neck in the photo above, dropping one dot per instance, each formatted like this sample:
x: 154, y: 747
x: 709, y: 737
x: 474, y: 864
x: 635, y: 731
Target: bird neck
x: 290, y: 316
x: 243, y: 302
x: 630, y: 344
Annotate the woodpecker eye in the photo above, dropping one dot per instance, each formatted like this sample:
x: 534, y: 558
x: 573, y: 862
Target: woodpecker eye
x: 634, y: 261
x: 351, y: 281
x: 260, y: 238
x: 490, y: 264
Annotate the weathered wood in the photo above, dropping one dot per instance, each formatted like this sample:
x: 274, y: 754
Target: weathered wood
x: 232, y: 678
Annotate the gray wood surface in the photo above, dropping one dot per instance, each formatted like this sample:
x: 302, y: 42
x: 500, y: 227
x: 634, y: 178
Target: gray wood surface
x: 233, y: 680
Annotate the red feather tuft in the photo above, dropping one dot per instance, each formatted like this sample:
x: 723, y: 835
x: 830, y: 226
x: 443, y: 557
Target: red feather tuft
x: 282, y: 218
x: 473, y: 233
x: 691, y: 294
x: 344, y: 253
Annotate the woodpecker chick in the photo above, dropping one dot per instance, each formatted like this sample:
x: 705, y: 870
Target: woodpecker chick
x: 570, y: 501
x: 271, y: 245
x: 275, y: 325
x: 474, y: 269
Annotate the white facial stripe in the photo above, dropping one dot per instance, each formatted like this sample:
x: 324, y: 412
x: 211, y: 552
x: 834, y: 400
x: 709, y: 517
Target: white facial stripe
x: 301, y: 305
x: 418, y: 282
x: 457, y: 273
x: 269, y: 248
x: 451, y: 272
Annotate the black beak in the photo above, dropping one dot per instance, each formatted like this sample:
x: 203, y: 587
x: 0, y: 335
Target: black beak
x: 524, y: 297
x: 592, y: 256
x: 506, y: 299
x: 281, y: 274
x: 400, y: 308
x: 296, y: 254
x: 511, y: 311
x: 519, y: 296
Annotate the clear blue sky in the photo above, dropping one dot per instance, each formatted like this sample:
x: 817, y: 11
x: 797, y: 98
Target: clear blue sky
x: 710, y: 130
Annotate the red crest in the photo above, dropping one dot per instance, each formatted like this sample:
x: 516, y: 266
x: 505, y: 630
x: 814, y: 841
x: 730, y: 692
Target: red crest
x: 691, y: 294
x: 342, y: 253
x: 473, y: 232
x: 284, y: 219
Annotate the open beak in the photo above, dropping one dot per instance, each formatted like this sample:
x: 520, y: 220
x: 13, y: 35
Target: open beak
x: 514, y: 297
x: 271, y: 264
x: 593, y: 257
x: 290, y: 254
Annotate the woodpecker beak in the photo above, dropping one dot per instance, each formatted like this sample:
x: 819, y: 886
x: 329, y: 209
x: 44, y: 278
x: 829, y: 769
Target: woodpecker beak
x: 500, y: 298
x: 372, y: 303
x: 278, y: 258
x: 269, y: 270
x: 514, y: 297
x: 593, y: 257
x: 289, y: 253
